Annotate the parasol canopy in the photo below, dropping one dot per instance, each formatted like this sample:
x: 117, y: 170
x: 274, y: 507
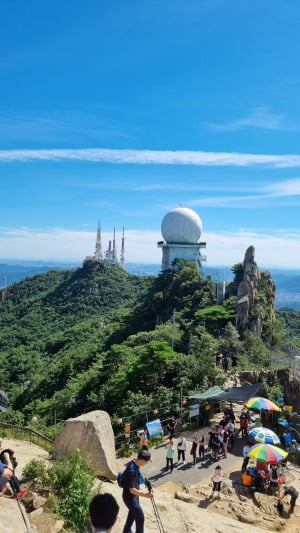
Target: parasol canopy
x: 262, y: 404
x: 264, y: 435
x: 267, y: 453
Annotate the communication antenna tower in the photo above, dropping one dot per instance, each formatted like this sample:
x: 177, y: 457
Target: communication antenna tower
x: 98, y: 247
x: 122, y: 255
x: 114, y: 248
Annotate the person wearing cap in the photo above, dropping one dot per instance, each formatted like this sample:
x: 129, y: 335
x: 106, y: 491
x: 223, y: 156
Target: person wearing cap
x: 103, y: 511
x: 131, y: 492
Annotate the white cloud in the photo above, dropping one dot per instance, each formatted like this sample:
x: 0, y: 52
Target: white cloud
x: 280, y: 249
x: 260, y: 117
x: 284, y: 188
x: 154, y: 157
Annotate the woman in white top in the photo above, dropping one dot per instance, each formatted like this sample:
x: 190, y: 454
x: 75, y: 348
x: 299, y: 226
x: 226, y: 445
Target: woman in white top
x: 217, y: 479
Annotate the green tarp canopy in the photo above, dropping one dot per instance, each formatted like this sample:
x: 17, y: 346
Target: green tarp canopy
x: 235, y: 394
x: 212, y: 391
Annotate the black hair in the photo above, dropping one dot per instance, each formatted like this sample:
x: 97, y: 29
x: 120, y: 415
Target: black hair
x: 103, y: 511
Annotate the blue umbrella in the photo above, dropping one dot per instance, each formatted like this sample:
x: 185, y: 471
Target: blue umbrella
x: 264, y: 435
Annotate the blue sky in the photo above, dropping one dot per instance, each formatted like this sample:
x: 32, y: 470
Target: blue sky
x: 120, y: 111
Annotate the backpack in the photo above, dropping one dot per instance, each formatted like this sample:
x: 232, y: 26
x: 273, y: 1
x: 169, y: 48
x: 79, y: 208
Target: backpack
x: 120, y: 478
x: 121, y: 475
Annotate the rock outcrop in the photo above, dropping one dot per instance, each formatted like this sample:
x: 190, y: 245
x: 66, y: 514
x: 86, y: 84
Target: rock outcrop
x: 255, y: 291
x: 92, y: 434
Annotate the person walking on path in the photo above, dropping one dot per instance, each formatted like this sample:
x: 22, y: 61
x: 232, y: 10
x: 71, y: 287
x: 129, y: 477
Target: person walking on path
x: 225, y: 363
x: 170, y: 450
x: 194, y: 450
x: 131, y: 492
x: 246, y: 449
x: 181, y: 447
x: 171, y: 427
x: 217, y: 479
x: 201, y: 446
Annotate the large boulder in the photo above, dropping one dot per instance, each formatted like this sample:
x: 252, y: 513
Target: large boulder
x: 92, y: 434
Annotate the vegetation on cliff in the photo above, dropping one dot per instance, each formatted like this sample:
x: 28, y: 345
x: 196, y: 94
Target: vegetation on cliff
x: 98, y: 338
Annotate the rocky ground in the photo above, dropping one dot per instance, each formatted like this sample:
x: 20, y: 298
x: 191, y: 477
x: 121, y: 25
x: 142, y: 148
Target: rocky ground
x: 184, y: 500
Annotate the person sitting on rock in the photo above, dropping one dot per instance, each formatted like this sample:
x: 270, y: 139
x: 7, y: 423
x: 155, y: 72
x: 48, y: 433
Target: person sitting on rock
x: 8, y: 458
x: 5, y: 476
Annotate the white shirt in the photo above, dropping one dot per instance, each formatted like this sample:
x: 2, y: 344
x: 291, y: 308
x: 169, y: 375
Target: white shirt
x: 181, y: 445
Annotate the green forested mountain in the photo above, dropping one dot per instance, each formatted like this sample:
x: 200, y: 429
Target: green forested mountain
x: 97, y: 337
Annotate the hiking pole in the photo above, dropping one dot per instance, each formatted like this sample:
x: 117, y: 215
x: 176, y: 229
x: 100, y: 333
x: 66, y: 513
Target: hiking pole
x: 28, y: 530
x: 156, y: 513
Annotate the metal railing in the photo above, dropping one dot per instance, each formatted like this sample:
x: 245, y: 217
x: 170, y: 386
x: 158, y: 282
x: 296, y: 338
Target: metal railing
x: 34, y: 437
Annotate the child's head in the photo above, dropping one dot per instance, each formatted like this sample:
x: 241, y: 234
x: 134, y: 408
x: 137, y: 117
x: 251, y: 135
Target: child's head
x: 218, y: 467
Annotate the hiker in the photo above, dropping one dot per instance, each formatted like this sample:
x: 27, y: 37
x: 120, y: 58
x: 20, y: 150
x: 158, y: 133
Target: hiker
x: 243, y: 425
x: 5, y: 476
x: 131, y: 492
x: 273, y: 478
x: 234, y: 360
x: 144, y: 439
x: 8, y: 458
x: 246, y: 460
x: 225, y: 363
x: 201, y: 442
x: 225, y: 441
x: 215, y: 447
x: 181, y: 447
x: 171, y: 427
x: 218, y: 359
x: 293, y: 493
x: 103, y: 512
x: 217, y: 479
x: 193, y: 451
x: 170, y: 450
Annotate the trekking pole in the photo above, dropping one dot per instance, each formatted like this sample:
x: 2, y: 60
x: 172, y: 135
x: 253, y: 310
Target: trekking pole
x: 156, y: 513
x: 28, y: 529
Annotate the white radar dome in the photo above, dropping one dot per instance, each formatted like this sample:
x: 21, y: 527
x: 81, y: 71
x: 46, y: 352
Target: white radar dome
x: 182, y: 226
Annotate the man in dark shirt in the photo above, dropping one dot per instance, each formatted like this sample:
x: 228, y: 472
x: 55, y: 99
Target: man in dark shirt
x: 131, y: 492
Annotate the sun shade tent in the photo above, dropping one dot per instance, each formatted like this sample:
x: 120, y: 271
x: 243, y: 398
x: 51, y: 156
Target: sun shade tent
x: 206, y: 395
x: 234, y: 395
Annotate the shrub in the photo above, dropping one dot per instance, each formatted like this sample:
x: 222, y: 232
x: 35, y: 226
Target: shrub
x: 71, y: 482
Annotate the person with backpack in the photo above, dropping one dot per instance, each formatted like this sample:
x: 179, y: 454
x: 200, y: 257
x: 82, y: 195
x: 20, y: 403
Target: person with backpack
x: 131, y: 481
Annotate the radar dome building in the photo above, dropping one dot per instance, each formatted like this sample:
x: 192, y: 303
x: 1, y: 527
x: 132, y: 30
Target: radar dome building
x: 181, y: 229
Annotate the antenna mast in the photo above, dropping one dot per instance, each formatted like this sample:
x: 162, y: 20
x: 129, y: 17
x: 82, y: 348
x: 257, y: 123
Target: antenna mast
x: 98, y: 247
x: 122, y: 256
x: 114, y: 248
